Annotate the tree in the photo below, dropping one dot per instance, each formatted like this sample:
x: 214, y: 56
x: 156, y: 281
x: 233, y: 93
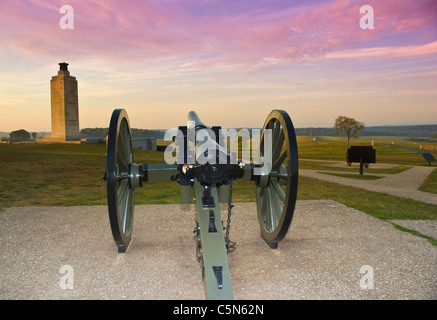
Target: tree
x: 348, y: 126
x: 19, y: 135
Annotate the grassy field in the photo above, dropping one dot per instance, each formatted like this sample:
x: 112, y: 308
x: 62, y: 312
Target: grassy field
x: 388, y: 149
x: 71, y: 175
x: 52, y: 174
x: 430, y: 184
x: 354, y: 176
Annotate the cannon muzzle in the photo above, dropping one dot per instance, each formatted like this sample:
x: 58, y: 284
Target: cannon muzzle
x: 192, y: 116
x: 218, y: 166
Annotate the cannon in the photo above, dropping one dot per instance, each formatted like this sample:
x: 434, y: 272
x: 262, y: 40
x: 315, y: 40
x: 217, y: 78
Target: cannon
x: 206, y: 163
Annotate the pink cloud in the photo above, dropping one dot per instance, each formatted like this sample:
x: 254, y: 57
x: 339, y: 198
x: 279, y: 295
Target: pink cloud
x: 248, y: 39
x: 386, y: 52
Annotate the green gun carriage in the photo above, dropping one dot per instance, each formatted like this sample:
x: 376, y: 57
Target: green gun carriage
x: 275, y: 188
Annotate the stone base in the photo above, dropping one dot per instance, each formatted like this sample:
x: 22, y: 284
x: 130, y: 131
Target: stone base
x: 76, y: 138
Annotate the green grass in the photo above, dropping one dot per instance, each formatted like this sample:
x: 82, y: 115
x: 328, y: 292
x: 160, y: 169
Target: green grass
x: 353, y: 176
x: 325, y: 166
x: 379, y: 205
x: 53, y: 174
x: 382, y: 206
x: 416, y: 233
x: 72, y: 175
x: 68, y: 175
x: 430, y: 184
x: 334, y: 148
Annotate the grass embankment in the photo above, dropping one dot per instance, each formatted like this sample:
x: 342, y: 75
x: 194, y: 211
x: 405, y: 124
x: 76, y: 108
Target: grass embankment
x: 353, y: 176
x: 430, y: 183
x: 52, y: 174
x: 69, y: 175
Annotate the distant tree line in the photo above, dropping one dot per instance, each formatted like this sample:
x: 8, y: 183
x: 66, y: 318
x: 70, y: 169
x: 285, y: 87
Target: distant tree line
x: 136, y: 133
x: 419, y: 131
x: 397, y: 131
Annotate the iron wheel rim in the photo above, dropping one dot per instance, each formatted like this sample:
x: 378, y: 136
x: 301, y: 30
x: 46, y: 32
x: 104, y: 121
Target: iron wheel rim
x: 275, y: 205
x: 121, y: 197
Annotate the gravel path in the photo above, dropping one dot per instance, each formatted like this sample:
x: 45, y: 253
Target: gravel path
x: 328, y: 253
x: 403, y: 184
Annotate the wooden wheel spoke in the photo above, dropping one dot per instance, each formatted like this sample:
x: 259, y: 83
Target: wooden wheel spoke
x: 126, y: 215
x: 278, y: 145
x: 278, y: 189
x: 276, y: 130
x: 279, y: 161
x: 124, y: 151
x: 268, y: 210
x: 277, y: 207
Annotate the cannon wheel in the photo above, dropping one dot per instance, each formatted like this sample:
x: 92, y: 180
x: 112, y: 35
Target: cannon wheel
x: 121, y: 196
x: 277, y: 191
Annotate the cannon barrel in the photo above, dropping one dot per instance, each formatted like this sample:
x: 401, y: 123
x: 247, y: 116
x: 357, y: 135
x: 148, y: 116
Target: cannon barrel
x: 221, y: 164
x: 213, y: 135
x: 192, y: 116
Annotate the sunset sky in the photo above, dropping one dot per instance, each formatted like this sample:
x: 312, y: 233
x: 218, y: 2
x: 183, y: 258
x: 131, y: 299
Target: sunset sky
x: 231, y: 61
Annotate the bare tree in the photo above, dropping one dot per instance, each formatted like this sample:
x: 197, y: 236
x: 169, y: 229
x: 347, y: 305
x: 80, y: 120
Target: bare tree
x: 348, y: 126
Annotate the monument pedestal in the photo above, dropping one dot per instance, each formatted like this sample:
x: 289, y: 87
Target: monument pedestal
x: 78, y: 138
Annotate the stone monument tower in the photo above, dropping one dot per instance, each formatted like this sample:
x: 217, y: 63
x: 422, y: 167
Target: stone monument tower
x: 65, y: 107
